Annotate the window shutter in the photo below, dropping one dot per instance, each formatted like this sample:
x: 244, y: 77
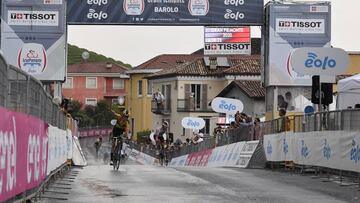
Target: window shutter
x: 168, y: 97
x: 187, y: 96
x: 204, y: 96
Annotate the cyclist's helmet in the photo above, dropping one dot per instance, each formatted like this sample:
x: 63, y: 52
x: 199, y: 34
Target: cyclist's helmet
x: 165, y: 124
x: 126, y: 113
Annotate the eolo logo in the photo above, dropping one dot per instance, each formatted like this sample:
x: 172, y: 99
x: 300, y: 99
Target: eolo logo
x: 314, y: 62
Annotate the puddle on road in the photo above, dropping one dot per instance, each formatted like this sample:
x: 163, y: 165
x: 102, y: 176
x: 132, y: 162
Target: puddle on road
x: 102, y: 189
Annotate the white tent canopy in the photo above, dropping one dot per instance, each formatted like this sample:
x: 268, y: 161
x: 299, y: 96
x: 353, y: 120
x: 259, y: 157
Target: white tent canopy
x: 349, y: 92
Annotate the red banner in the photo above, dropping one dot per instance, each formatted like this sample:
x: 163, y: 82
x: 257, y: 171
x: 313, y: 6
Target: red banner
x: 23, y: 153
x: 199, y: 158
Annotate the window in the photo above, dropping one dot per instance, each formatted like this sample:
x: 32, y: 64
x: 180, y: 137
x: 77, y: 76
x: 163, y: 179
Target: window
x: 69, y: 83
x: 91, y: 101
x: 91, y: 82
x: 206, y: 129
x: 118, y: 83
x: 196, y: 94
x: 140, y: 87
x: 149, y: 87
x: 114, y: 101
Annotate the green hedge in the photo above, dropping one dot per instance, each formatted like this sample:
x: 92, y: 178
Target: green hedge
x: 143, y: 136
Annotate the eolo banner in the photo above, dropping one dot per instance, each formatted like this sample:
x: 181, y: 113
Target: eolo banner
x: 166, y: 12
x: 33, y: 31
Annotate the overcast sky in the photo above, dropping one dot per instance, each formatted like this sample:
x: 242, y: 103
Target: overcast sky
x: 137, y: 44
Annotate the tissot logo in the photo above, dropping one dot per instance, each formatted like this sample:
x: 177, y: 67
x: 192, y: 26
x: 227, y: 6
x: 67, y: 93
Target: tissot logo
x: 284, y: 24
x: 16, y: 16
x: 300, y: 26
x: 35, y: 18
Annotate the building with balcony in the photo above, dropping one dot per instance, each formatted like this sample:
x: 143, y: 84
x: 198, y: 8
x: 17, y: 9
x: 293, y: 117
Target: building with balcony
x: 89, y: 83
x: 250, y: 92
x: 141, y: 92
x: 189, y: 88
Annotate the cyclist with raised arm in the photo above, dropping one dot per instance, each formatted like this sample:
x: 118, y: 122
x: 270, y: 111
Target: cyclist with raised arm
x: 160, y: 140
x: 120, y: 128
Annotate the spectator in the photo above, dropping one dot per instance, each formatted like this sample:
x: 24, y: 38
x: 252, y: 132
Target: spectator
x: 217, y: 130
x: 198, y: 137
x: 282, y: 104
x: 158, y: 98
x: 284, y: 123
x: 188, y: 141
x: 232, y: 125
x: 257, y: 129
x: 290, y: 102
x: 238, y: 118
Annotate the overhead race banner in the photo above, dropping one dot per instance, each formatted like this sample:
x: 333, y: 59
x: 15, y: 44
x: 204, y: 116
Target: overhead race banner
x: 33, y: 35
x: 292, y: 26
x: 166, y: 12
x: 227, y: 41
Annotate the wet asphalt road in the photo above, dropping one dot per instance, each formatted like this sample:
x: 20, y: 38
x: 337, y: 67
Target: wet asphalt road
x: 137, y: 183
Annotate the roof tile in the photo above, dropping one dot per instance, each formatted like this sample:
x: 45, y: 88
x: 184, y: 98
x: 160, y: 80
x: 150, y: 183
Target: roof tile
x: 239, y: 65
x: 98, y: 67
x: 167, y: 61
x: 253, y: 89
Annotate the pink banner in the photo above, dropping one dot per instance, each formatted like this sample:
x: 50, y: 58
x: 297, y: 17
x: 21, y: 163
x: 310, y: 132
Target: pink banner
x: 199, y: 158
x: 95, y: 132
x: 23, y: 153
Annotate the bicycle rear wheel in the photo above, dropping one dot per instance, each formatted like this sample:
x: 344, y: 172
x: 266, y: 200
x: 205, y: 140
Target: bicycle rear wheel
x: 115, y: 163
x: 118, y: 164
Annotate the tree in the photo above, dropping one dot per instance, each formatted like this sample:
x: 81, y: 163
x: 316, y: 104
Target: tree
x: 102, y: 113
x: 91, y: 116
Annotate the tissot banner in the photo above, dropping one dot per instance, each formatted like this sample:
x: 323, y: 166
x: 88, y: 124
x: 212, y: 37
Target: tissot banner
x: 293, y: 26
x: 166, y: 12
x: 227, y: 40
x: 33, y: 35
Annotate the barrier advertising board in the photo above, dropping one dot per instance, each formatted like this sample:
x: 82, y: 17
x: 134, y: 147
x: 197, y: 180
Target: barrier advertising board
x: 23, y: 153
x: 33, y: 35
x: 163, y: 12
x: 292, y: 26
x: 323, y: 148
x: 227, y: 40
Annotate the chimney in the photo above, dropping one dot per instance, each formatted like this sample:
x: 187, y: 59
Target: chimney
x: 213, y: 63
x: 108, y: 65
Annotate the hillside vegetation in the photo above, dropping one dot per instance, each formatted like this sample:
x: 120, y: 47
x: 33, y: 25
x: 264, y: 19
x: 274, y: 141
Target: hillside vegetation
x: 74, y: 56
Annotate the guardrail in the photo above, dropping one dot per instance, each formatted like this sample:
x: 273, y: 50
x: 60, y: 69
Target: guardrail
x: 21, y: 92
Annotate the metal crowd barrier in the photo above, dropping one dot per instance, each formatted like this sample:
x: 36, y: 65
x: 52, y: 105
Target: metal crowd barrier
x: 348, y: 120
x: 23, y: 93
x: 3, y: 81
